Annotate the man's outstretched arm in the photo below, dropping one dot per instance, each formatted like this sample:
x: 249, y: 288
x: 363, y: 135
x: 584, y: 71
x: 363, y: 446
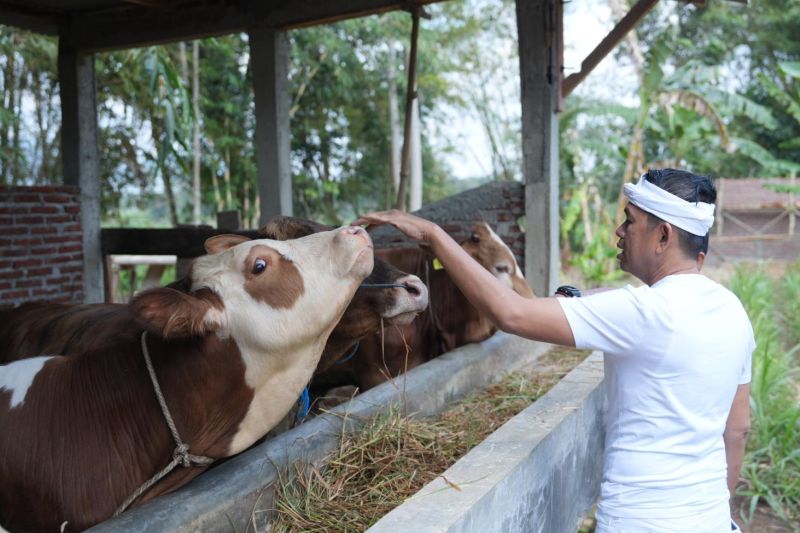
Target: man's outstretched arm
x: 540, y: 319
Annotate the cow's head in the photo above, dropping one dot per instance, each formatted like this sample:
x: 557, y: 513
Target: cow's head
x: 396, y: 305
x: 487, y: 248
x: 266, y: 294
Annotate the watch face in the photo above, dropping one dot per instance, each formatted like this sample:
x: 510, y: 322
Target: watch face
x: 568, y: 291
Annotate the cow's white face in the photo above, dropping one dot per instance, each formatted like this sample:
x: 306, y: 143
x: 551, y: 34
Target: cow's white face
x: 280, y: 300
x: 277, y: 294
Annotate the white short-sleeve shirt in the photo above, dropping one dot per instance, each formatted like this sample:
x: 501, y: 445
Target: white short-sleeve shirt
x: 675, y: 353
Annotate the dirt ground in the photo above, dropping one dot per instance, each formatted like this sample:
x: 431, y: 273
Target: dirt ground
x: 763, y: 520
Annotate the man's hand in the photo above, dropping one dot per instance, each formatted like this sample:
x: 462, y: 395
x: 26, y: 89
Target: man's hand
x: 414, y: 227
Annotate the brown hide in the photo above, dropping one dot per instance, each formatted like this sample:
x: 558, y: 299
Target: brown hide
x: 449, y: 322
x: 45, y: 329
x: 94, y: 418
x: 90, y: 431
x: 40, y: 329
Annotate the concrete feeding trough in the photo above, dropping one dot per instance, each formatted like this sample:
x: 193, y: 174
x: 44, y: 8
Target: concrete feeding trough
x: 539, y: 472
x: 238, y: 493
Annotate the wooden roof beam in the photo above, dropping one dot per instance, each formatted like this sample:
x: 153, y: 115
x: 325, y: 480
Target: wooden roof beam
x: 626, y: 24
x: 141, y: 26
x: 26, y: 19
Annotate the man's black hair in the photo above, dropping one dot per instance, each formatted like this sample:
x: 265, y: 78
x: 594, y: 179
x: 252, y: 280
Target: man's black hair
x: 692, y: 188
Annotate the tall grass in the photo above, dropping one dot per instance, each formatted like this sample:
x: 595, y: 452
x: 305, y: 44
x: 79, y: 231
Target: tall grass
x: 772, y: 463
x: 790, y: 304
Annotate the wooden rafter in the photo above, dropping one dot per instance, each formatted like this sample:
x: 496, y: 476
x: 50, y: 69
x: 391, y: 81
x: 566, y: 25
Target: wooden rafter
x: 626, y: 24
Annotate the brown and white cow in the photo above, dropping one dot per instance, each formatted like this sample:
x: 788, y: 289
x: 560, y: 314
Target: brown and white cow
x: 40, y: 328
x: 449, y: 322
x: 373, y: 304
x: 79, y: 434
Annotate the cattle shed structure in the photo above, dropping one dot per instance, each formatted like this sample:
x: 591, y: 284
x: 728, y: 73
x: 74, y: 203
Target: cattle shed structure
x: 71, y: 213
x: 756, y: 220
x: 85, y: 27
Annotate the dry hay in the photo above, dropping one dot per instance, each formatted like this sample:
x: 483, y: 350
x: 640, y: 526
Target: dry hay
x: 393, y: 456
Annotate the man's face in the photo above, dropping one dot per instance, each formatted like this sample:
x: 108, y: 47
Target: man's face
x: 637, y: 240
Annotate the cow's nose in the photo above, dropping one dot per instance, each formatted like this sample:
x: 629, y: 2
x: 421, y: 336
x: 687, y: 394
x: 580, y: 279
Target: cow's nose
x: 415, y: 288
x: 355, y: 231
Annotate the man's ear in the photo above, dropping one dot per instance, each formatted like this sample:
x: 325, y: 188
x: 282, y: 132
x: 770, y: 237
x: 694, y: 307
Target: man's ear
x: 666, y: 233
x: 171, y: 314
x: 220, y: 243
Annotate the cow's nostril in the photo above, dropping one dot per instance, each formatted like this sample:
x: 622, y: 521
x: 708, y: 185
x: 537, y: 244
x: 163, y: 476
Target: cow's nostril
x: 412, y: 289
x: 415, y: 288
x: 354, y: 230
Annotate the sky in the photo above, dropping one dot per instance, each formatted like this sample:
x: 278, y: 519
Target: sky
x: 586, y: 22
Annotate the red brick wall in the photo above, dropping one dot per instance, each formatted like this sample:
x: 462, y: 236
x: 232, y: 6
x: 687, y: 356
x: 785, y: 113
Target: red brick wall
x: 41, y: 255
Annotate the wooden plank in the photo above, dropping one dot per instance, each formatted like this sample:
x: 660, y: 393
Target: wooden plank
x: 139, y: 259
x: 142, y: 26
x: 609, y: 42
x: 752, y: 238
x: 29, y: 19
x: 539, y: 67
x: 182, y: 242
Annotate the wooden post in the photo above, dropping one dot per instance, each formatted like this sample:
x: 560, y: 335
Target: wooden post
x: 80, y: 158
x: 539, y: 37
x: 269, y: 57
x: 609, y: 42
x: 411, y: 94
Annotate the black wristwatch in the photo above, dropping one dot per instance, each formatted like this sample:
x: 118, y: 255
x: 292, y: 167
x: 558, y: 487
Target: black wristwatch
x: 569, y: 291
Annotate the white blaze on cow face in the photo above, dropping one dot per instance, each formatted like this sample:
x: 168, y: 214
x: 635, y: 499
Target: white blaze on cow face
x: 281, y: 301
x: 17, y: 377
x: 489, y: 249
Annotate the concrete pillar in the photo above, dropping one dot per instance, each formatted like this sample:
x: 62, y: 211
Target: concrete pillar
x: 80, y: 158
x: 538, y: 28
x: 269, y: 58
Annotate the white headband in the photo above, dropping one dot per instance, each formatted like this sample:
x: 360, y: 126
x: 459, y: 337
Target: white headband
x: 696, y: 218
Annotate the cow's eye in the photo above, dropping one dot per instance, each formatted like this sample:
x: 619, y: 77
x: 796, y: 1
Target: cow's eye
x: 259, y: 266
x: 475, y: 237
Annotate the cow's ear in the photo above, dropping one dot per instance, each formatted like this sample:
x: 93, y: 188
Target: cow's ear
x: 282, y: 228
x: 174, y: 314
x: 220, y: 243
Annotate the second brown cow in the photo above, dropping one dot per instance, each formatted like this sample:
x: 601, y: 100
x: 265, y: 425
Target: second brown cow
x: 449, y: 322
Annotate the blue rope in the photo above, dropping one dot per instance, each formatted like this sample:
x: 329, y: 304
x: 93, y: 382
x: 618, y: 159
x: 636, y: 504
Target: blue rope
x: 304, y: 405
x: 350, y: 355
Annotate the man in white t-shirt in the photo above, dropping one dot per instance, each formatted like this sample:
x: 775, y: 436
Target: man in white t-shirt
x: 677, y: 356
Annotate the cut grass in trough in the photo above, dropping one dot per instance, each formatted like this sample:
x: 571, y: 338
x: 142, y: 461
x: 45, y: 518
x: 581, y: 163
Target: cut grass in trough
x: 393, y: 456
